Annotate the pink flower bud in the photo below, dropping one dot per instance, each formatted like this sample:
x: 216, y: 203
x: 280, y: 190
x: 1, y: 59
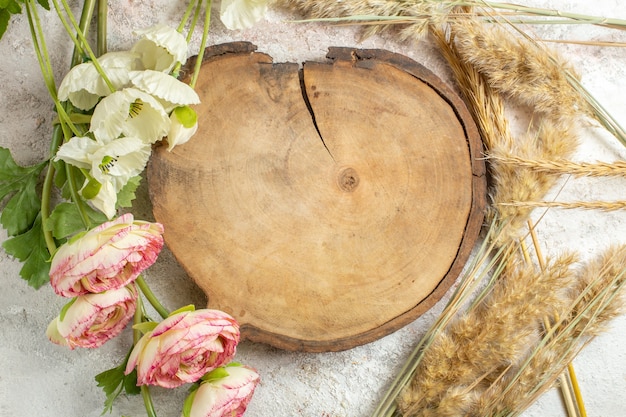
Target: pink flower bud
x: 107, y: 257
x: 90, y: 320
x: 184, y: 347
x: 225, y: 397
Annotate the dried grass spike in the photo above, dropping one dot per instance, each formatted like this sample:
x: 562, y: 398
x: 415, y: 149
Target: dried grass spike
x: 423, y: 12
x: 520, y: 69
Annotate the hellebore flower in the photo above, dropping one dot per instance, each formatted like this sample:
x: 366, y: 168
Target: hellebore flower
x: 184, y: 347
x: 242, y: 14
x: 111, y: 164
x: 90, y: 320
x: 130, y: 112
x: 184, y: 124
x: 161, y: 48
x: 170, y: 91
x: 107, y: 257
x: 83, y: 85
x: 226, y: 392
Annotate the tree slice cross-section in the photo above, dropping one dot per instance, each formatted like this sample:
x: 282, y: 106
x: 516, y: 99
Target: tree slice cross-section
x: 324, y: 206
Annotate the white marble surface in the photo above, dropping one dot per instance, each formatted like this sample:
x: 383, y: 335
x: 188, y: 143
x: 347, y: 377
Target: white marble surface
x: 39, y: 378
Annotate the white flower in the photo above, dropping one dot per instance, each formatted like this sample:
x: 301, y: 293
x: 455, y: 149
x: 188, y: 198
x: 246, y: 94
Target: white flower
x: 110, y: 163
x: 170, y: 91
x: 241, y: 14
x: 161, y: 48
x: 83, y: 85
x: 130, y: 112
x: 184, y: 125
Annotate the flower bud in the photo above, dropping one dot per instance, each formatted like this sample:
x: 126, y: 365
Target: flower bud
x: 184, y: 347
x: 107, y: 257
x: 227, y: 395
x: 90, y: 320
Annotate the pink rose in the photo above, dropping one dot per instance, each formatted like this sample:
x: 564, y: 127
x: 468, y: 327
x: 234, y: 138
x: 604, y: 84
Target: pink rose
x: 107, y: 257
x: 90, y: 320
x: 224, y: 397
x: 184, y: 347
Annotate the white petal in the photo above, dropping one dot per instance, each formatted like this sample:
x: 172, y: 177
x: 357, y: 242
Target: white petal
x: 179, y: 134
x: 83, y: 86
x: 120, y: 160
x: 171, y: 91
x: 117, y: 66
x: 241, y: 14
x: 112, y: 118
x: 161, y: 47
x: 106, y: 200
x: 78, y: 151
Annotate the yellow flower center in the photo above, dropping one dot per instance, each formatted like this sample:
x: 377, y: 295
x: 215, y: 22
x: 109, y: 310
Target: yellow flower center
x: 135, y: 108
x: 107, y: 163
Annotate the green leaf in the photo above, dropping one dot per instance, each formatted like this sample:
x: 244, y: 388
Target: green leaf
x: 5, y: 16
x: 126, y: 195
x: 31, y: 249
x: 20, y: 212
x: 188, y: 307
x: 65, y: 220
x: 145, y: 326
x: 189, y: 402
x: 113, y: 382
x: 215, y: 374
x: 130, y: 383
x: 60, y: 176
x: 65, y: 308
x: 44, y: 4
x: 21, y: 182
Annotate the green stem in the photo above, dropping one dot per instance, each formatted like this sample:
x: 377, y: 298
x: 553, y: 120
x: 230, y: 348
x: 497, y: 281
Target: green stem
x: 85, y: 19
x: 80, y: 39
x: 147, y: 400
x: 76, y: 198
x: 57, y: 140
x: 185, y: 18
x: 194, y: 21
x: 101, y: 40
x: 138, y: 318
x: 147, y: 292
x: 203, y: 42
x: 594, y: 20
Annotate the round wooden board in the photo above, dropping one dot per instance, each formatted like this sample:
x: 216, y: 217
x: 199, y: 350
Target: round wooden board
x: 322, y: 207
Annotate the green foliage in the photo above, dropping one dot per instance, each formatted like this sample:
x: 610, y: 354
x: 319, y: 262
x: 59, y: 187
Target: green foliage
x: 113, y: 382
x: 65, y: 220
x: 126, y: 195
x: 10, y: 7
x: 30, y: 248
x: 21, y: 218
x: 20, y: 183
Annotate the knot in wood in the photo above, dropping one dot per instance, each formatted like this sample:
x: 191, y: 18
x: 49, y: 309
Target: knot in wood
x: 348, y: 179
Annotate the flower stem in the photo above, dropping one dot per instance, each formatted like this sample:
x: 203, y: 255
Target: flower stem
x: 147, y: 400
x: 76, y: 198
x: 185, y: 18
x: 85, y: 19
x: 101, y: 39
x: 80, y: 39
x: 57, y: 139
x: 581, y: 18
x: 138, y: 318
x: 205, y: 35
x: 152, y: 299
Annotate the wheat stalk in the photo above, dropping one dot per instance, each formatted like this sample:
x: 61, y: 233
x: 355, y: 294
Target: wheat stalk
x: 563, y: 167
x: 584, y: 205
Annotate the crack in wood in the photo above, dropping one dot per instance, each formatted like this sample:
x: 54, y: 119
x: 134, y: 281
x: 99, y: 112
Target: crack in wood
x: 305, y: 97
